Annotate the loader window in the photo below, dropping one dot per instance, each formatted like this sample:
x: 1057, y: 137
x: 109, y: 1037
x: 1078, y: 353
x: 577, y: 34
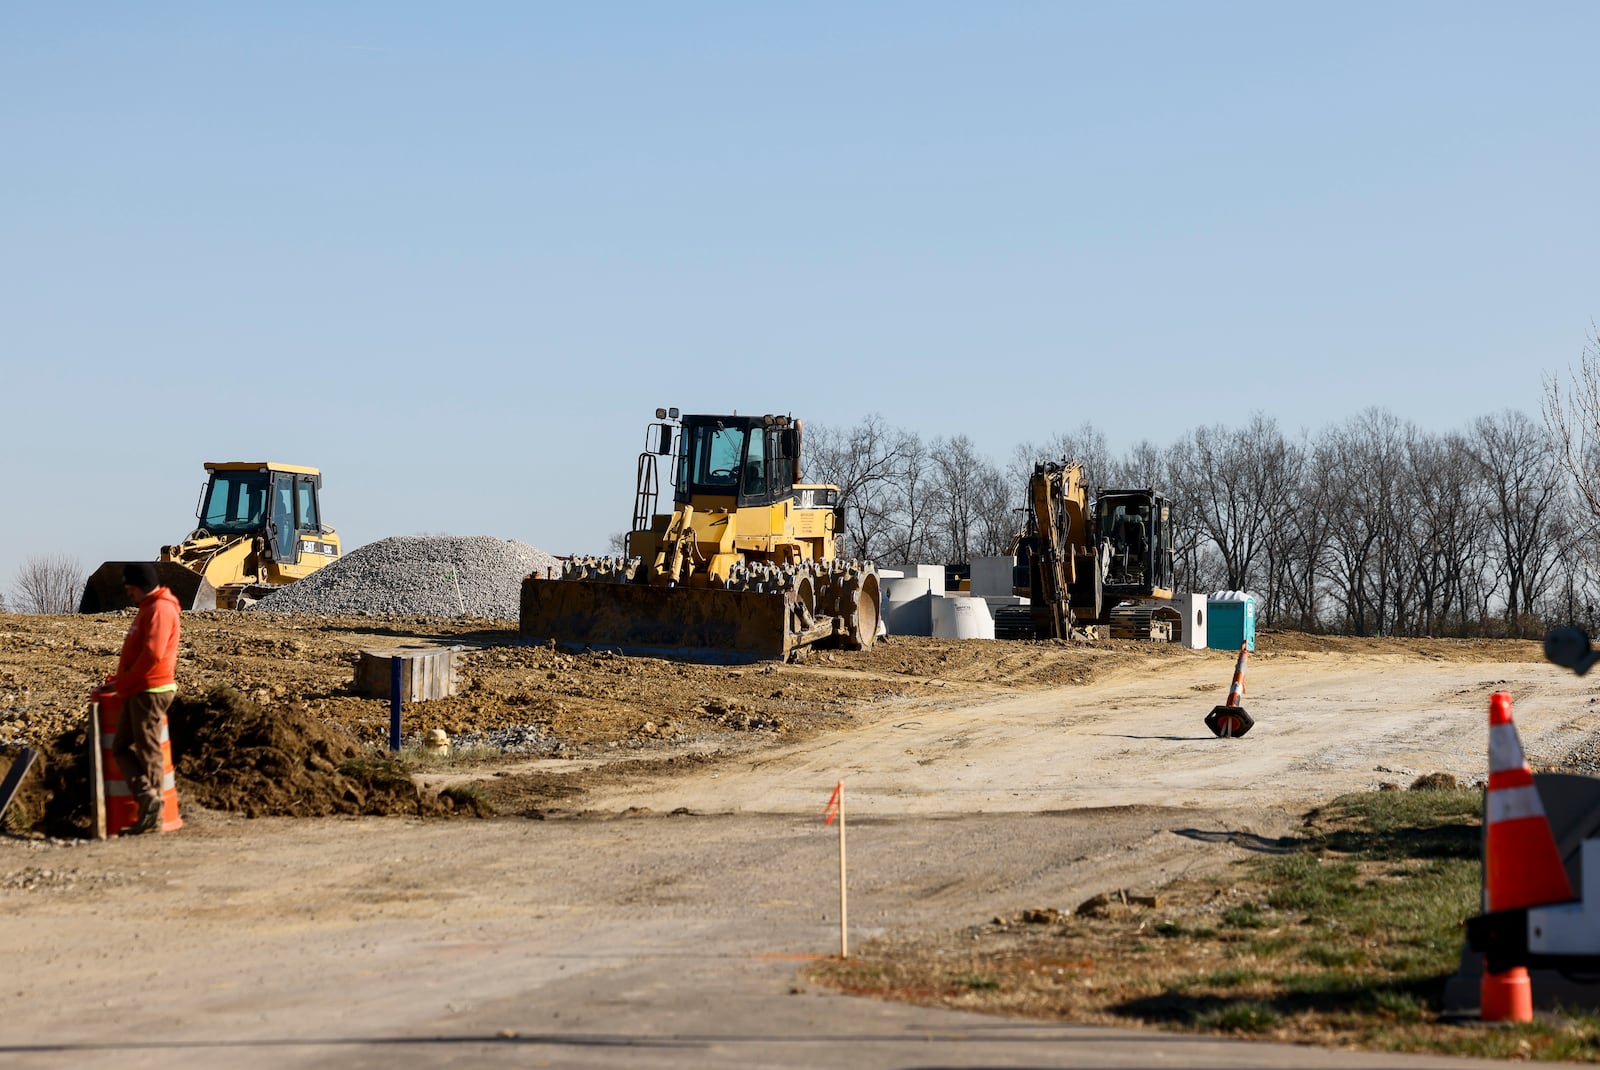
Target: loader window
x: 235, y: 503
x: 307, y: 491
x: 284, y: 536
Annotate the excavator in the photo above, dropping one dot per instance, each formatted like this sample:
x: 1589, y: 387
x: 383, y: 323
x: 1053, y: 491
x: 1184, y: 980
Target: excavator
x: 260, y: 528
x: 1082, y: 565
x: 745, y: 566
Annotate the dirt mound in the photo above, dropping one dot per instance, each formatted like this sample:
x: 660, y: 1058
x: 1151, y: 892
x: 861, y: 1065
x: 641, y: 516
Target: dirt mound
x: 230, y: 754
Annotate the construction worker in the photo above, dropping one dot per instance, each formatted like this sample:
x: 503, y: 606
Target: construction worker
x: 146, y: 683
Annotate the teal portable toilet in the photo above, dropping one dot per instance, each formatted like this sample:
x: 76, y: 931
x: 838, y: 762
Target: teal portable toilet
x: 1233, y: 620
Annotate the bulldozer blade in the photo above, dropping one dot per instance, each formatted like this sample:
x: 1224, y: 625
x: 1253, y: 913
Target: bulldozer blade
x: 104, y: 591
x: 697, y: 623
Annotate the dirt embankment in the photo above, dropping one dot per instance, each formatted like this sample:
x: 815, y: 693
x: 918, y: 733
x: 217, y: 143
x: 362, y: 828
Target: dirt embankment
x: 268, y: 720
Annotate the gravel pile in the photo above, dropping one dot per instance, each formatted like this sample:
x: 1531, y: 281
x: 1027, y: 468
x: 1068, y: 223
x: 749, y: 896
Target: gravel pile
x: 420, y: 575
x: 515, y: 739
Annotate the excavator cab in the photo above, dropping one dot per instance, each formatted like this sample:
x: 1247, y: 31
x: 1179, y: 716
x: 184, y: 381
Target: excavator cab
x: 1135, y: 527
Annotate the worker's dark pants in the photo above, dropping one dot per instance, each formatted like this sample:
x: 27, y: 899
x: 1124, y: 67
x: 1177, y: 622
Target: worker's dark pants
x: 138, y: 743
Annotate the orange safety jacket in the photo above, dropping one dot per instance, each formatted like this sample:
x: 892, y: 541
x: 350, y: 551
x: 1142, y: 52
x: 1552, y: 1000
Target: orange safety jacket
x: 150, y: 652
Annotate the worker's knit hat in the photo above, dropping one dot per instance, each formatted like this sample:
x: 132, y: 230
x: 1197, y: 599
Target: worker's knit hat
x: 140, y: 574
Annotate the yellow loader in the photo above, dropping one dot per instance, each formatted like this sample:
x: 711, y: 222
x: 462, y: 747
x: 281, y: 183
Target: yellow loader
x: 260, y: 528
x: 746, y: 565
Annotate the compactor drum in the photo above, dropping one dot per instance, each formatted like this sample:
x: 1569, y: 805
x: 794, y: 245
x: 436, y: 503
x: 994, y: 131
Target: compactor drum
x: 260, y: 528
x: 745, y: 567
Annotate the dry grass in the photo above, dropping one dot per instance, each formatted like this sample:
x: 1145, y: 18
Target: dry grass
x: 1346, y: 938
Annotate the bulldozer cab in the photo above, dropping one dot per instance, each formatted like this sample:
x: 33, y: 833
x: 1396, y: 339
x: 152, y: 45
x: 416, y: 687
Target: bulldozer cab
x: 745, y: 459
x: 1135, y: 527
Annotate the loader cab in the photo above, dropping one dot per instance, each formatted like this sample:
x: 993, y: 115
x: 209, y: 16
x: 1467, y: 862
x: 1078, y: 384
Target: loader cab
x: 1136, y: 527
x: 277, y: 503
x: 746, y: 459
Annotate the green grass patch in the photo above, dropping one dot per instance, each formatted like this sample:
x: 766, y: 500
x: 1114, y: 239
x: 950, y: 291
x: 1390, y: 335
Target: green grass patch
x: 976, y: 981
x: 1242, y: 1016
x: 1244, y: 916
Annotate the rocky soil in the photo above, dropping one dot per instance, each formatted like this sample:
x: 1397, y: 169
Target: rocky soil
x: 269, y: 721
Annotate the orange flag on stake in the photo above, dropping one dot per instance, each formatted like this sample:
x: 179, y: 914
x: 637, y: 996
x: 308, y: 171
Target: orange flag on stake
x: 832, y: 810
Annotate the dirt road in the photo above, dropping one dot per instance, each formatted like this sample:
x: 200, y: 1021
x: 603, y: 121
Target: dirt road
x: 1326, y: 724
x: 627, y: 933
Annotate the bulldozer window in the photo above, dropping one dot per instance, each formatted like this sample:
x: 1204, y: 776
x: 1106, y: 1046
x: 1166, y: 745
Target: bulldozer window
x: 235, y: 503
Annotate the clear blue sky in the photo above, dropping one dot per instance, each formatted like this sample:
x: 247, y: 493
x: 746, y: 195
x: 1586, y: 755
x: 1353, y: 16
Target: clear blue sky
x: 456, y: 254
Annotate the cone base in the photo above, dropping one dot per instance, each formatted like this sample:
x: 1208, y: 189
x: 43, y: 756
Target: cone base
x: 1229, y: 721
x: 1506, y: 997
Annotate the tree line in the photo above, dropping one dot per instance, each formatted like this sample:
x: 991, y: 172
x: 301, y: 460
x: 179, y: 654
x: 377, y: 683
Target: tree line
x: 1372, y: 526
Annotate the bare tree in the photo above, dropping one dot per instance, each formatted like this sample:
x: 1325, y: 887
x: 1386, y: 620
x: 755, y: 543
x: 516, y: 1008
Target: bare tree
x: 49, y: 584
x: 1364, y: 463
x: 1239, y: 481
x: 866, y: 463
x: 1573, y: 418
x: 915, y: 536
x: 1453, y: 534
x: 1572, y: 415
x: 973, y: 500
x: 1522, y: 471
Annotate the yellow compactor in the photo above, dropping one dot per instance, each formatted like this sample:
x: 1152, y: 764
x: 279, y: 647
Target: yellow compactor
x: 260, y: 528
x: 745, y: 567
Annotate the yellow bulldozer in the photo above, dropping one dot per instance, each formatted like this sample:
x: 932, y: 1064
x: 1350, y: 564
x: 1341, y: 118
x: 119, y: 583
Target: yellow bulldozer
x: 1084, y: 564
x: 745, y: 567
x: 260, y: 528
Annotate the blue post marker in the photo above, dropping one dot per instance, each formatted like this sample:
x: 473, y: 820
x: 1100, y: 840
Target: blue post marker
x: 394, y: 703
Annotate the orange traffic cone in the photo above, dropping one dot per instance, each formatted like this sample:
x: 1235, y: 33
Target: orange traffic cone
x: 1521, y: 866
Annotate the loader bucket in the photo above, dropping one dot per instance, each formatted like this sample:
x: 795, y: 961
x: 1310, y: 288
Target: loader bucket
x: 698, y: 623
x: 104, y: 592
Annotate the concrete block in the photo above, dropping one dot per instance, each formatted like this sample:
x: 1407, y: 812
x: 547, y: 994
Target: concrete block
x: 930, y: 572
x: 992, y: 576
x: 425, y: 672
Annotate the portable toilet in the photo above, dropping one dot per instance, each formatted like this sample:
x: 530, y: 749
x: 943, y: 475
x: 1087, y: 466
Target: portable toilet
x: 1232, y: 620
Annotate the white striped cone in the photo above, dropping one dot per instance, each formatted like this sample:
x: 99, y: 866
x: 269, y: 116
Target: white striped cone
x: 1236, y: 689
x: 1521, y: 866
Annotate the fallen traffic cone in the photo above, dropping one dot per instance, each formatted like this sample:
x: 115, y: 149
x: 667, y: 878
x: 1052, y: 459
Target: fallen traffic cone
x: 1230, y: 719
x: 1521, y: 866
